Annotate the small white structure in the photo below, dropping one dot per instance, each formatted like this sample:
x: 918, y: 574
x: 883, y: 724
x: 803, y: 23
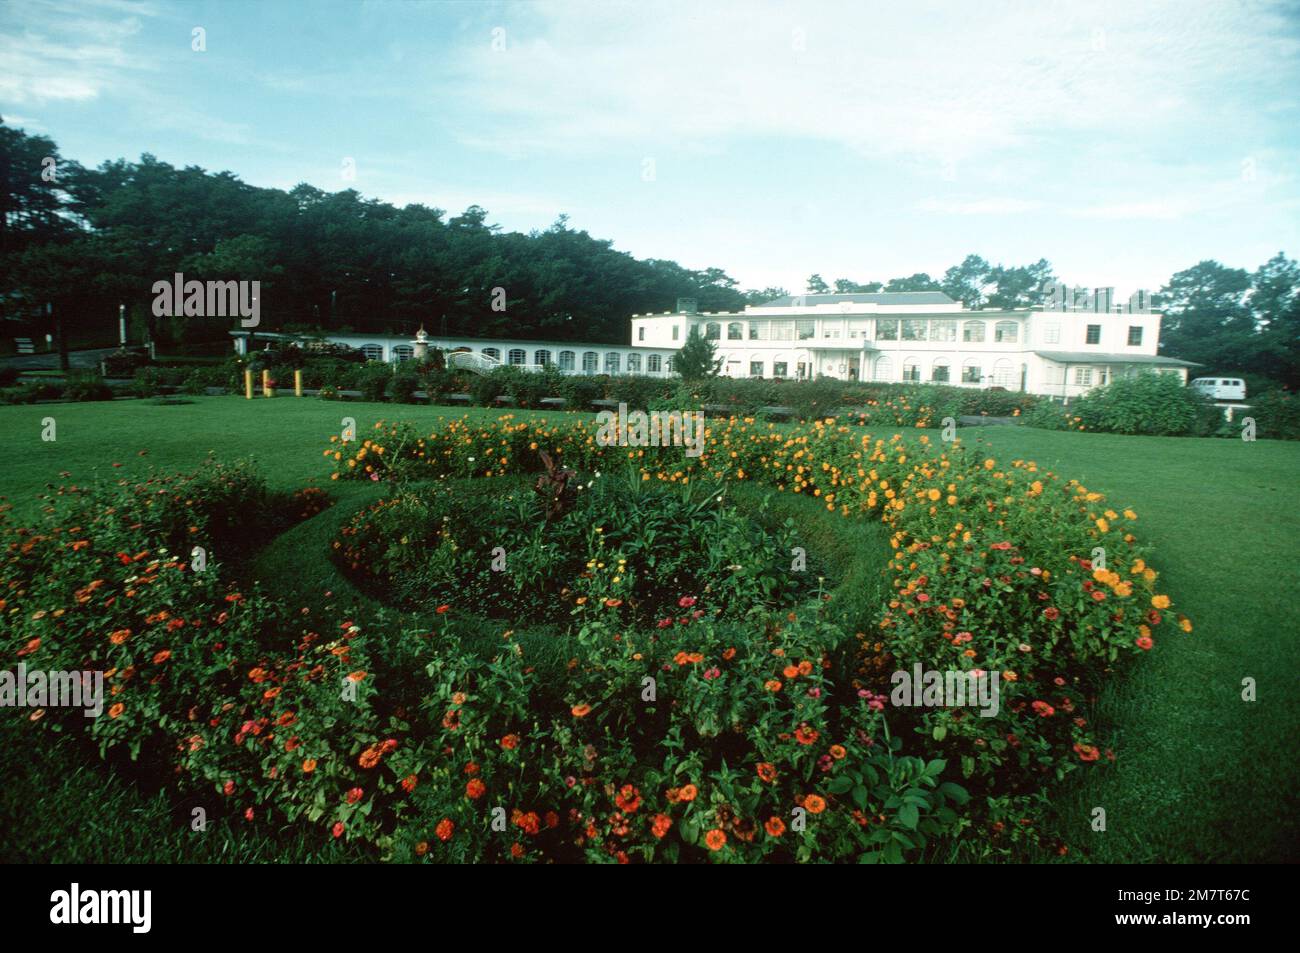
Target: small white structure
x: 1221, y: 388
x: 896, y: 337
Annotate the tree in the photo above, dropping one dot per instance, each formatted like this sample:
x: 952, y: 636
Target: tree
x: 1207, y: 318
x: 968, y: 282
x: 844, y: 286
x: 816, y: 286
x: 917, y: 282
x: 697, y: 358
x: 754, y: 296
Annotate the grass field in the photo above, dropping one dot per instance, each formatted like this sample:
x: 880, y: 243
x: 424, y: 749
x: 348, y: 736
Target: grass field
x: 1201, y: 775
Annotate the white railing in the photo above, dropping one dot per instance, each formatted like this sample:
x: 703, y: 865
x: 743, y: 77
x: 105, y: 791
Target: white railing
x: 483, y: 364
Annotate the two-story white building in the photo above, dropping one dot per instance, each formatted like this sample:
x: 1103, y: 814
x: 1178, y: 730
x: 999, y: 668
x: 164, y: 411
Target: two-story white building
x: 914, y: 337
x: 898, y: 337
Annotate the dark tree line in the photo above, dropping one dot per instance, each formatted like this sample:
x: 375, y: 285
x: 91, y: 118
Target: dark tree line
x: 84, y: 240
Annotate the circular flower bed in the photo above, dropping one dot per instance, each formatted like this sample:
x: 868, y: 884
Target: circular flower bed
x: 694, y: 711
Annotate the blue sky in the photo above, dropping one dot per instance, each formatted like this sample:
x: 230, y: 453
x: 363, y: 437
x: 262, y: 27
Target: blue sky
x: 1120, y: 141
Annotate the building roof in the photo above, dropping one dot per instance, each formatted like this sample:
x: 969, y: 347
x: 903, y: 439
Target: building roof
x: 1085, y: 357
x: 881, y: 297
x: 435, y: 341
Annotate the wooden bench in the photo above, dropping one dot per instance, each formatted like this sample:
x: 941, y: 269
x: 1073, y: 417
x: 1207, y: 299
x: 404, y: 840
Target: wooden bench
x: 24, y: 345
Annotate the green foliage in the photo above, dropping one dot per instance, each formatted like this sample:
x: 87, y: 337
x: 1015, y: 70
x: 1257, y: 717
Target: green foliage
x: 1276, y: 413
x: 697, y: 358
x: 86, y: 386
x: 1149, y: 403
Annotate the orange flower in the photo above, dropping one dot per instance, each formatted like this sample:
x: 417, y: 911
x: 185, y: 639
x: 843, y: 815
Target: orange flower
x: 687, y: 793
x: 715, y: 839
x: 510, y: 742
x: 775, y: 827
x: 767, y: 772
x: 838, y: 752
x: 445, y: 829
x: 160, y: 657
x: 116, y: 710
x: 581, y: 711
x: 628, y: 798
x: 475, y: 789
x: 790, y: 671
x: 309, y: 765
x: 660, y: 825
x: 772, y: 685
x: 814, y: 803
x: 120, y: 636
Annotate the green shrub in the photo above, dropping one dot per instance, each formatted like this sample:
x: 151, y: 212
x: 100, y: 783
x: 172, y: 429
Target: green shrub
x: 1150, y: 403
x: 86, y: 386
x: 372, y: 379
x: 1276, y: 413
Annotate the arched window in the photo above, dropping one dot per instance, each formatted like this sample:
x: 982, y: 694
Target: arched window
x: 634, y: 363
x: 1006, y: 332
x: 653, y: 363
x: 884, y: 369
x: 373, y: 352
x: 517, y: 356
x: 939, y: 370
x: 542, y: 358
x: 712, y: 331
x: 403, y: 352
x: 492, y: 353
x: 971, y: 372
x: 590, y: 362
x: 735, y: 331
x: 1003, y: 373
x: 972, y: 332
x: 911, y: 369
x: 612, y: 362
x: 566, y: 360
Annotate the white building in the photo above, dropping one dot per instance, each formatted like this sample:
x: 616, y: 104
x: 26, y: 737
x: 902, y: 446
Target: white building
x: 898, y: 337
x: 914, y: 337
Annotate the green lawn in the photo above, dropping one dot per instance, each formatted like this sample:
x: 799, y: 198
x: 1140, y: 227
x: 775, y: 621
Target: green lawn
x: 1201, y: 774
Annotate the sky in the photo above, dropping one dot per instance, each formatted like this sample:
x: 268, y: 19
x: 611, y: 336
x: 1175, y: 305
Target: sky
x: 1121, y: 141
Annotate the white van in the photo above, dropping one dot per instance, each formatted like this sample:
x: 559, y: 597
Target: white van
x: 1221, y: 388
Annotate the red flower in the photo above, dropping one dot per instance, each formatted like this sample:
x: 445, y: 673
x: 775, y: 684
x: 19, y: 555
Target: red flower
x: 475, y: 789
x: 445, y: 829
x: 1051, y: 613
x: 338, y: 829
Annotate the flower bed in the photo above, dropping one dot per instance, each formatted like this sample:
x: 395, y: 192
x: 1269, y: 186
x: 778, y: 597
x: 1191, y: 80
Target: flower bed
x: 705, y: 722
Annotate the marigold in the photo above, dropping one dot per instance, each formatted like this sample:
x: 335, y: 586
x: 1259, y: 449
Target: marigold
x: 814, y: 803
x: 715, y: 839
x: 775, y: 827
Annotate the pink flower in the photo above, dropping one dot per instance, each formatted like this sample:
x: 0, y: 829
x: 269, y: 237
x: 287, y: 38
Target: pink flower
x: 686, y: 601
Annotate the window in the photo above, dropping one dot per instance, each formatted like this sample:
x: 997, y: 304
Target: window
x: 653, y: 363
x: 884, y: 369
x: 971, y: 373
x: 640, y: 333
x: 735, y: 331
x: 373, y: 352
x: 634, y: 363
x: 566, y: 360
x: 1006, y: 332
x: 939, y: 371
x: 943, y: 330
x: 712, y: 331
x: 590, y: 362
x: 886, y: 329
x: 782, y: 330
x: 1094, y: 334
x: 1135, y: 335
x: 858, y: 327
x: 541, y: 358
x: 1051, y: 334
x: 806, y: 328
x: 676, y: 331
x: 911, y: 370
x: 517, y: 356
x: 1002, y: 374
x: 973, y: 332
x: 801, y: 370
x: 913, y: 329
x: 492, y: 353
x: 755, y: 368
x: 778, y: 368
x: 1083, y: 376
x: 403, y: 352
x: 668, y: 365
x: 612, y: 363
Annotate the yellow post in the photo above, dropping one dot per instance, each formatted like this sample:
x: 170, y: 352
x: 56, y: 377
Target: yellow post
x: 266, y: 383
x: 248, y: 383
x: 297, y: 383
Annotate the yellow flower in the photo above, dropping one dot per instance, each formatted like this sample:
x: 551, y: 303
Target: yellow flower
x: 1160, y: 602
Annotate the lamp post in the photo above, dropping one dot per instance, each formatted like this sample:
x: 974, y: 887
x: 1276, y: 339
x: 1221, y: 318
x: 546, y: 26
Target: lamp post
x: 121, y: 326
